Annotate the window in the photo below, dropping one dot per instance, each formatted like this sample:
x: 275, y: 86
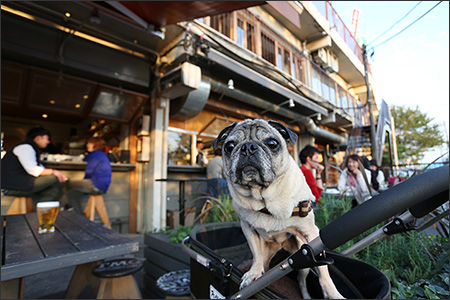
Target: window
x: 240, y: 33
x: 294, y: 72
x: 221, y: 23
x: 280, y: 59
x: 316, y: 83
x: 343, y: 101
x: 250, y: 35
x: 268, y: 48
x: 301, y: 69
x: 179, y: 148
x: 287, y: 61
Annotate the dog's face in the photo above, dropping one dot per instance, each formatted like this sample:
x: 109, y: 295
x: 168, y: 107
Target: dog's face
x: 254, y: 151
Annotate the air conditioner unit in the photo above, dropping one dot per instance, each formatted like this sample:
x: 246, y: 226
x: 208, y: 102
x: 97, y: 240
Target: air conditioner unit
x: 321, y: 56
x: 180, y: 81
x: 332, y: 66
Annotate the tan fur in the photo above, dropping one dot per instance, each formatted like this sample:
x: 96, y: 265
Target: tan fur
x: 267, y: 234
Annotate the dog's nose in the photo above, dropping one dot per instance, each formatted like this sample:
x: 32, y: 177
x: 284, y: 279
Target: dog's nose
x: 249, y: 149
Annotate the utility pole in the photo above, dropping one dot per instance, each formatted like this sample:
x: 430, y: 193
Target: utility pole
x: 373, y: 137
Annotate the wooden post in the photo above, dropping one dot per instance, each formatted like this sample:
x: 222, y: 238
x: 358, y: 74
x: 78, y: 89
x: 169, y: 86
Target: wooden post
x: 80, y: 278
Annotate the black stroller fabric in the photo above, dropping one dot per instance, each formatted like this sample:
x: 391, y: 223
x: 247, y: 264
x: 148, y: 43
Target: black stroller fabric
x: 225, y: 244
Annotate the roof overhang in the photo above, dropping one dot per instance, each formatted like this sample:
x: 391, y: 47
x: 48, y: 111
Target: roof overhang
x: 171, y: 12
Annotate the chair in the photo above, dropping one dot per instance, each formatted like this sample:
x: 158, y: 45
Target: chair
x: 96, y: 203
x: 116, y: 278
x: 20, y: 205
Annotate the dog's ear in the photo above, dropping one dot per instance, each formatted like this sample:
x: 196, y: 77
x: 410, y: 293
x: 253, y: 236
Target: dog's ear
x: 285, y: 132
x: 217, y: 143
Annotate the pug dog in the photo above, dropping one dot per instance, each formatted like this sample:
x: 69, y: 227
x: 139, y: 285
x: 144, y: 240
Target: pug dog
x: 267, y: 187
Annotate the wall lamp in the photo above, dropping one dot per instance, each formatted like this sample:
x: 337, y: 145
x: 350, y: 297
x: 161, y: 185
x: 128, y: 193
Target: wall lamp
x: 230, y: 86
x: 319, y: 116
x: 290, y: 101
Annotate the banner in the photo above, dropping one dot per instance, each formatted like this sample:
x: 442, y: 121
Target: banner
x: 355, y: 18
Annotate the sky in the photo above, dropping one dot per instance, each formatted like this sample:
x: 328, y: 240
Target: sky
x: 411, y: 69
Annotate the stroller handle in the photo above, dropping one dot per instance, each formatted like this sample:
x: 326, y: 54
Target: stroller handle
x: 385, y: 205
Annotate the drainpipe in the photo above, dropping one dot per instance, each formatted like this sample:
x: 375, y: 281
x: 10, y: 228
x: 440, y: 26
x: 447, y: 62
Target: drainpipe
x: 245, y: 97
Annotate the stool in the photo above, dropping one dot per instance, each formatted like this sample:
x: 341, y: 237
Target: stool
x: 116, y: 278
x: 20, y: 205
x: 96, y: 203
x: 175, y: 284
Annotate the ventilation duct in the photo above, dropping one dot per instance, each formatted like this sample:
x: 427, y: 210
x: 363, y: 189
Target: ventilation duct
x: 245, y: 97
x: 192, y: 103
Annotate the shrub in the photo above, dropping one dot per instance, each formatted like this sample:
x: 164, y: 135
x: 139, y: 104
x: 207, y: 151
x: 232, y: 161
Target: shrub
x: 415, y: 263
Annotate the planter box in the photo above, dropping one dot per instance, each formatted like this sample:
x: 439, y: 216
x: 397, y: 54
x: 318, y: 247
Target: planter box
x: 161, y: 257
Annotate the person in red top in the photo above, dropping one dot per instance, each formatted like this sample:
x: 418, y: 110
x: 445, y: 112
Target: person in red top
x: 309, y: 157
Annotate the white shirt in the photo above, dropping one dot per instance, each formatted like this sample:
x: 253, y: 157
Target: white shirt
x: 344, y: 184
x: 27, y: 158
x: 380, y: 177
x: 214, y: 168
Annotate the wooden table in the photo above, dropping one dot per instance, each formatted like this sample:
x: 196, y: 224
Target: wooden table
x: 76, y: 242
x: 181, y: 183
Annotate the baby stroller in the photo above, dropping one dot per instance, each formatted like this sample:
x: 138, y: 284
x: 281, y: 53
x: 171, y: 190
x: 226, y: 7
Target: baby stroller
x: 219, y: 251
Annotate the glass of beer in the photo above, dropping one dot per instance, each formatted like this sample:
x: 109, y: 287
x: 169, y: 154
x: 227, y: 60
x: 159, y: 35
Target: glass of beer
x: 47, y: 213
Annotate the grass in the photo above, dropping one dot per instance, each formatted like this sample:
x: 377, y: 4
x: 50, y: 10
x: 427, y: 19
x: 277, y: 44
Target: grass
x: 416, y: 263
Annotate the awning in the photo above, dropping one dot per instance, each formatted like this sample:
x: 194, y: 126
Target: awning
x: 161, y: 13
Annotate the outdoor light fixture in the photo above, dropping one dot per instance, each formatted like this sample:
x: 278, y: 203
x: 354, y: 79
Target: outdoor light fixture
x: 290, y: 101
x: 231, y: 84
x: 318, y: 115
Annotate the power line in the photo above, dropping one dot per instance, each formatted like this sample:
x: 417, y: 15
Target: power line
x: 395, y: 23
x: 407, y: 26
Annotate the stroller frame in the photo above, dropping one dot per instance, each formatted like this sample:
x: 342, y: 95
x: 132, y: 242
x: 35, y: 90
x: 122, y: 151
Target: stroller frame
x: 410, y: 194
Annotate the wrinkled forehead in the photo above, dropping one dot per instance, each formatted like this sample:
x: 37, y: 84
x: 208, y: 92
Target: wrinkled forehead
x: 253, y: 131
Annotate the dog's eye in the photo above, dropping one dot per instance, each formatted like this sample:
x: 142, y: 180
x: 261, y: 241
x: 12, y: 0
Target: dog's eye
x: 273, y: 144
x: 229, y: 147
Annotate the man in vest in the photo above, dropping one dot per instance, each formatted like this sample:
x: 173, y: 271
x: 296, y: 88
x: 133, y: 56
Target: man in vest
x: 24, y: 175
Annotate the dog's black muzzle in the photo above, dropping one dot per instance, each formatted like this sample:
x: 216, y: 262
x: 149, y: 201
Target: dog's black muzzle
x: 249, y: 149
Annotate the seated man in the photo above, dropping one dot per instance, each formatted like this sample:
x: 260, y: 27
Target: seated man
x: 24, y: 175
x: 309, y: 158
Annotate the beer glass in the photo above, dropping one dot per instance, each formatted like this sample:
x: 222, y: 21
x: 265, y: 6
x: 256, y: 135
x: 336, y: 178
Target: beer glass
x: 47, y: 212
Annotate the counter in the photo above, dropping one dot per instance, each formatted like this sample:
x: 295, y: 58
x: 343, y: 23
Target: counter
x: 71, y: 165
x: 117, y: 198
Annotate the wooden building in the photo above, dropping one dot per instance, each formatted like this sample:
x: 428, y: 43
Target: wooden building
x: 153, y: 77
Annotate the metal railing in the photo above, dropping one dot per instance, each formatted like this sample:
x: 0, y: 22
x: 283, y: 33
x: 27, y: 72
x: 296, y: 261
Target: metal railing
x: 317, y: 80
x: 336, y: 23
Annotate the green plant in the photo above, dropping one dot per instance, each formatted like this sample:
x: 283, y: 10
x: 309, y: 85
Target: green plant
x: 218, y: 209
x: 415, y: 263
x: 178, y: 234
x: 330, y: 208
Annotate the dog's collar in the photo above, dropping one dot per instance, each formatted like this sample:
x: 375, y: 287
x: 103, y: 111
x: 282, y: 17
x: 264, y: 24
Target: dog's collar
x: 302, y: 210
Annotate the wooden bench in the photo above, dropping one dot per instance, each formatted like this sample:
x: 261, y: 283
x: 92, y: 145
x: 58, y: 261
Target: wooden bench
x: 20, y: 205
x: 96, y: 203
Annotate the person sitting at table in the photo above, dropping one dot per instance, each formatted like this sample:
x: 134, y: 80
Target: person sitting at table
x: 309, y: 157
x: 352, y: 177
x: 200, y: 157
x: 216, y: 184
x: 377, y: 174
x: 97, y: 176
x: 24, y: 175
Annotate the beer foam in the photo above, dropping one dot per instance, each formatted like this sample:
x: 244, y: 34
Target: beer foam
x: 48, y: 204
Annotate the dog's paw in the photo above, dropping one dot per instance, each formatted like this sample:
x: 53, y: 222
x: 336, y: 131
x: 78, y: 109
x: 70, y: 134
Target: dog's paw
x: 334, y: 295
x: 249, y: 277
